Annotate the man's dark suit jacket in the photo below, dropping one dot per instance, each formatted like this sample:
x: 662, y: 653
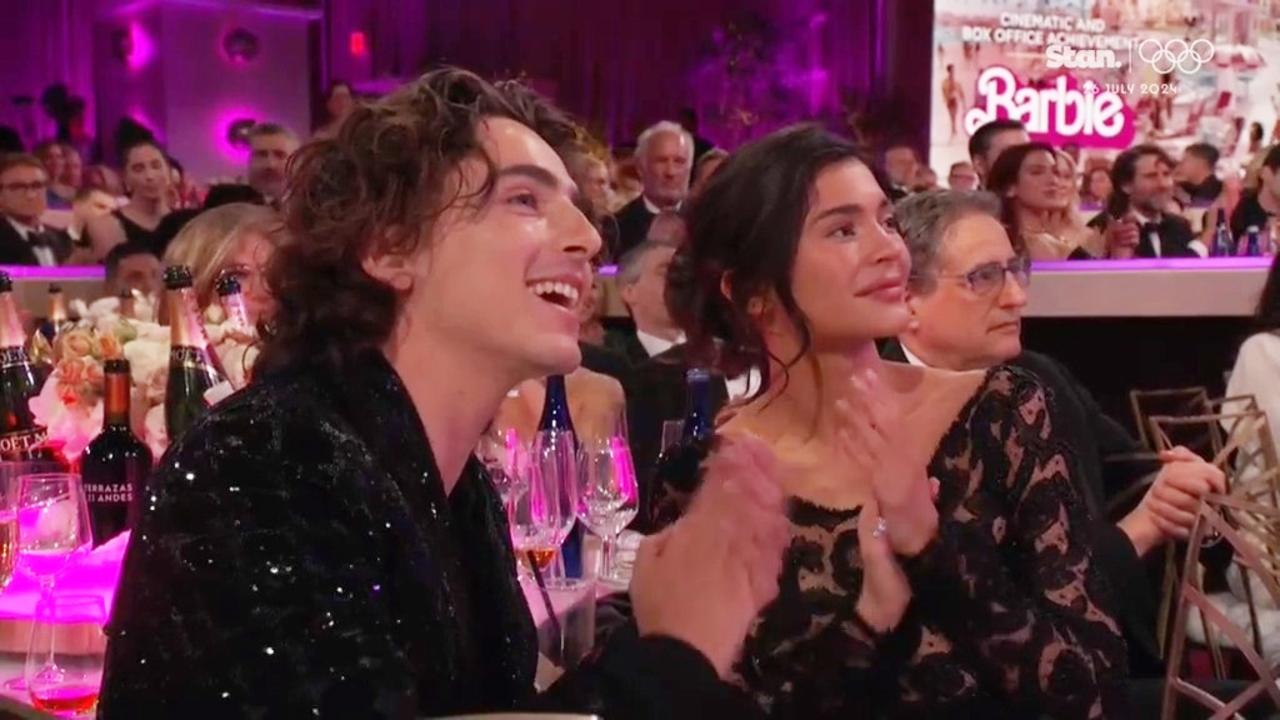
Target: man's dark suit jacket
x: 605, y: 362
x: 14, y: 250
x: 657, y: 393
x: 626, y: 343
x: 1094, y: 436
x: 633, y: 222
x: 1175, y: 234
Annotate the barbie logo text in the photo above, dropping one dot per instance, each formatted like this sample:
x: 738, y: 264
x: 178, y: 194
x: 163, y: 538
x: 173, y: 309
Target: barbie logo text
x: 1059, y: 111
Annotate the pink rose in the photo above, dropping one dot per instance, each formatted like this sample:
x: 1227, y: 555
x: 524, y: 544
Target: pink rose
x: 71, y: 371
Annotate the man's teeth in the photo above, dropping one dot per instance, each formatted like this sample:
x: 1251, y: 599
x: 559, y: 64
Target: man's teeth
x: 564, y: 290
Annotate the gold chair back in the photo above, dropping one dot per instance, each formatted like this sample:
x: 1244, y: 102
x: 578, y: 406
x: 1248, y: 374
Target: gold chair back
x: 1253, y: 532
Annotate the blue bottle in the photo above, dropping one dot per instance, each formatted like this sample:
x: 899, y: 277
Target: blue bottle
x: 556, y: 418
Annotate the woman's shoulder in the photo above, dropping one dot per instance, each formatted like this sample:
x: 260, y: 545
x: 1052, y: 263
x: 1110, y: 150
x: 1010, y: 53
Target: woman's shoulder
x: 1262, y: 344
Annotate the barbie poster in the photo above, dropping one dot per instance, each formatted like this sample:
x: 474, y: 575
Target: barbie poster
x: 1107, y: 74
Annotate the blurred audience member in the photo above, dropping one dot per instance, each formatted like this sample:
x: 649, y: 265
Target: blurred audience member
x: 1072, y: 151
x: 989, y: 140
x: 1035, y: 196
x: 131, y: 268
x: 72, y: 167
x: 664, y: 158
x: 1095, y: 188
x: 591, y: 174
x: 641, y: 280
x: 89, y: 204
x: 270, y: 146
x: 926, y: 179
x: 689, y: 121
x: 966, y: 296
x: 705, y: 168
x: 590, y: 309
x: 1137, y: 221
x: 900, y: 165
x: 1261, y: 206
x: 183, y: 193
x: 105, y: 179
x: 626, y: 181
x: 338, y: 103
x: 1257, y: 368
x: 962, y: 176
x: 1255, y: 138
x: 24, y: 240
x: 232, y: 240
x: 53, y: 155
x: 1198, y: 184
x: 148, y: 182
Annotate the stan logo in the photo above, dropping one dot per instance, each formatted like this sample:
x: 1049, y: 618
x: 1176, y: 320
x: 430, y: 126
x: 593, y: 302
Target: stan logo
x: 1063, y: 56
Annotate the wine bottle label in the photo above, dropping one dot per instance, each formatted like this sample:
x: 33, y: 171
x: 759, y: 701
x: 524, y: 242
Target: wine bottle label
x: 18, y: 445
x: 13, y: 357
x: 188, y: 357
x: 101, y: 493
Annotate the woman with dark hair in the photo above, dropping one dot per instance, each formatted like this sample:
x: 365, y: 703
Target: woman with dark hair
x: 975, y: 595
x: 147, y: 180
x: 1036, y: 187
x: 1095, y: 188
x: 1257, y: 368
x: 339, y: 101
x: 324, y: 543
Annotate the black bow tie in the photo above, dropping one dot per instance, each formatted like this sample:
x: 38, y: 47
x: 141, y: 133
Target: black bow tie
x: 40, y: 238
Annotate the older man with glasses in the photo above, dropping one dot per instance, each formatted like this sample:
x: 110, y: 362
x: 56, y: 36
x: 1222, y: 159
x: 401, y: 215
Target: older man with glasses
x: 23, y: 200
x: 967, y: 290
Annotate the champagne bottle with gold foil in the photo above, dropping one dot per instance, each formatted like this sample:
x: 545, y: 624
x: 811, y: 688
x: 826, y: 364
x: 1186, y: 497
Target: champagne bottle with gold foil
x: 21, y: 437
x: 59, y: 319
x: 231, y: 297
x: 116, y: 463
x: 192, y: 368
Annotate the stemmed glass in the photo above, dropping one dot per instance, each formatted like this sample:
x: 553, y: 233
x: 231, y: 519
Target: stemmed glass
x: 53, y: 532
x: 543, y: 508
x: 608, y: 496
x: 66, y: 653
x: 503, y: 458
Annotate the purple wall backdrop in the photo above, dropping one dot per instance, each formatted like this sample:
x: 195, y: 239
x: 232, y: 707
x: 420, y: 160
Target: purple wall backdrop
x: 748, y: 66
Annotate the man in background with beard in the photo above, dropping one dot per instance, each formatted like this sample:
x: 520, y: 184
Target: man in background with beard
x: 270, y: 146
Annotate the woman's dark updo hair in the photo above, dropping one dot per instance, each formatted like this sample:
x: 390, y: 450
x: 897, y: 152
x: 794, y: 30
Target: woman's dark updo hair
x: 746, y: 226
x: 379, y: 182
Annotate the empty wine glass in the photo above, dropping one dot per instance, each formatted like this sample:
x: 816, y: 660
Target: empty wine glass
x: 502, y: 455
x: 53, y: 530
x: 544, y: 507
x: 65, y: 656
x: 608, y: 497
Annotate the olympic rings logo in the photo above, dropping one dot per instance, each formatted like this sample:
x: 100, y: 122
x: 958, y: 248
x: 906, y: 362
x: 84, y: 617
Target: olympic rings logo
x: 1176, y: 53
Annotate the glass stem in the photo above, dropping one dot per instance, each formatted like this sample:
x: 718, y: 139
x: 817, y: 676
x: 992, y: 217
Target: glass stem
x: 606, y: 557
x: 46, y: 599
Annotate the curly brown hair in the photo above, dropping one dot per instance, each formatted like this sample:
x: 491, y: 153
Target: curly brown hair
x: 378, y: 184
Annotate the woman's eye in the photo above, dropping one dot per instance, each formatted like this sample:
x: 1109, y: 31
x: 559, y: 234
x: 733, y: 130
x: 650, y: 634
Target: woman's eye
x: 891, y: 223
x: 844, y: 232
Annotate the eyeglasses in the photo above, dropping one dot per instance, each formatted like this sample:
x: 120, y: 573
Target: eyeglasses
x: 31, y: 187
x: 988, y: 278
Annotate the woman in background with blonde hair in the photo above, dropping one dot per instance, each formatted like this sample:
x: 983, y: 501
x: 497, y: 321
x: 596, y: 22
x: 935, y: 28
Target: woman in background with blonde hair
x: 235, y: 240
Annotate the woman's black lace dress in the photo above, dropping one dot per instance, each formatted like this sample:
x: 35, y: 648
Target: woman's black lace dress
x: 1009, y: 618
x: 297, y: 556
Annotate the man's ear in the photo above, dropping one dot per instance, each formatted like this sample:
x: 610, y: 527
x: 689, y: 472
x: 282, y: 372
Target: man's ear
x: 396, y: 269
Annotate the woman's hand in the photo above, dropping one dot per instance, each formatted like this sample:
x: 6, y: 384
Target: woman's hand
x: 873, y: 436
x: 705, y: 578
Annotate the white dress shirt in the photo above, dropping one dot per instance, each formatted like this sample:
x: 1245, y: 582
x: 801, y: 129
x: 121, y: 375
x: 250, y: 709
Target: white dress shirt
x: 44, y: 254
x: 655, y: 345
x: 912, y: 359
